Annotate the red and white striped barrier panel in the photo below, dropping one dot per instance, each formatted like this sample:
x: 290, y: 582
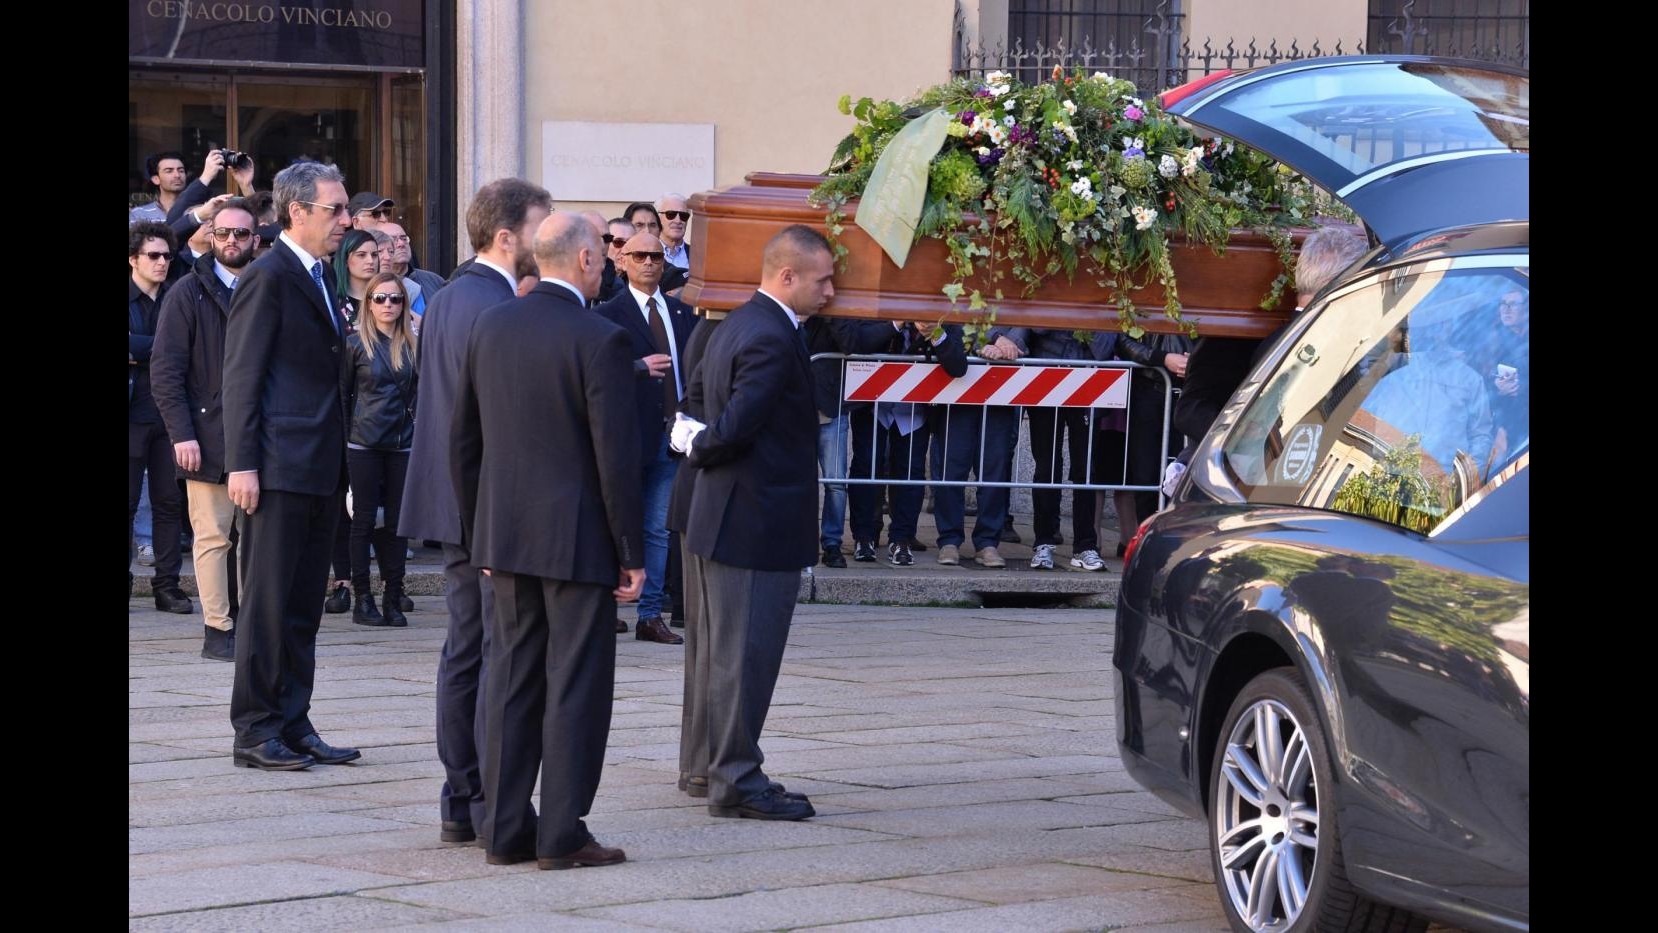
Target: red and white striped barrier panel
x: 987, y: 384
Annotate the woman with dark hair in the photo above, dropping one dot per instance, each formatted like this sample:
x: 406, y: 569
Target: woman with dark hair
x: 356, y: 261
x: 378, y: 442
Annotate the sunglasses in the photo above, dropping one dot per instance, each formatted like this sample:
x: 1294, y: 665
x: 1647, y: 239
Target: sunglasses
x: 157, y: 256
x: 677, y: 215
x: 642, y: 256
x: 332, y: 209
x: 610, y: 240
x: 378, y: 213
x: 224, y: 233
x: 386, y: 298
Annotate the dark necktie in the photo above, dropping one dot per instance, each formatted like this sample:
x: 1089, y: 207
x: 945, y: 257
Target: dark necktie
x: 670, y: 383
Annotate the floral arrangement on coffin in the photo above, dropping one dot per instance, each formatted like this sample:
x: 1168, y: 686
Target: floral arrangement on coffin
x: 1073, y: 173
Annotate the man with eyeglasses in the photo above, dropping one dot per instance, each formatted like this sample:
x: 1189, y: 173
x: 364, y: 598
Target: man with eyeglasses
x: 369, y: 211
x: 642, y: 216
x: 284, y: 391
x: 676, y: 217
x: 150, y: 249
x: 659, y: 327
x: 186, y: 373
x: 611, y: 281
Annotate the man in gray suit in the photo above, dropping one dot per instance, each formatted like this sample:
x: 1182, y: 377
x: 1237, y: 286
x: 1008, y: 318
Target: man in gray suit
x: 758, y: 452
x: 501, y: 223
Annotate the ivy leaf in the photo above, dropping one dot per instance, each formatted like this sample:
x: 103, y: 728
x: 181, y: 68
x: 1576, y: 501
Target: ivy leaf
x: 953, y: 291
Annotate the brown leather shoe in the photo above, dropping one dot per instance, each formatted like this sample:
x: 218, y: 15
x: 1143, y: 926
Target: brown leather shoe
x: 621, y: 627
x: 590, y: 855
x: 653, y: 629
x: 696, y: 786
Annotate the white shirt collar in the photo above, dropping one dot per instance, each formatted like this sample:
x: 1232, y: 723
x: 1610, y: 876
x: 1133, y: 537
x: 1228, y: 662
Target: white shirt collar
x: 224, y: 274
x: 512, y: 283
x: 573, y: 289
x: 787, y: 312
x: 639, y: 298
x: 305, y: 258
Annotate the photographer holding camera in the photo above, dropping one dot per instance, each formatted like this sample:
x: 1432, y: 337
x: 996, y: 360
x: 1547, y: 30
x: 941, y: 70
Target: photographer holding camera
x: 188, y: 212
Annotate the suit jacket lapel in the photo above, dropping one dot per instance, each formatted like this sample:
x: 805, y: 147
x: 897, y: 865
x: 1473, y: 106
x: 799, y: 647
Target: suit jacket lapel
x: 302, y: 275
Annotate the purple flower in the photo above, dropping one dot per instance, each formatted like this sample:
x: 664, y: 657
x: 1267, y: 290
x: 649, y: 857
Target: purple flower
x: 992, y: 157
x: 968, y: 116
x: 983, y: 92
x: 1133, y: 113
x: 1134, y: 154
x: 1021, y: 136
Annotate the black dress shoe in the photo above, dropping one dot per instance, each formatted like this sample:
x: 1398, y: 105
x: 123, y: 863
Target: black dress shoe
x: 339, y: 601
x: 271, y: 755
x: 792, y: 795
x: 324, y: 753
x: 832, y: 557
x: 508, y: 858
x: 172, y: 599
x: 1009, y: 535
x: 589, y: 855
x: 621, y: 627
x: 767, y: 805
x: 916, y: 545
x: 695, y: 786
x: 393, y: 602
x: 653, y: 629
x: 864, y: 552
x: 457, y: 831
x: 405, y: 603
x: 217, y: 645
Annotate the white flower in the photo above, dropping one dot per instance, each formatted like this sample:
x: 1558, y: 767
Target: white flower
x: 1137, y: 102
x: 1070, y: 108
x: 997, y: 134
x: 1168, y: 167
x: 1134, y: 142
x: 1144, y: 218
x: 1190, y: 166
x: 1066, y: 128
x: 1009, y: 121
x: 981, y: 124
x: 1074, y: 165
x: 1228, y: 149
x: 1083, y: 187
x: 983, y: 150
x: 997, y: 90
x: 1102, y: 76
x: 998, y: 77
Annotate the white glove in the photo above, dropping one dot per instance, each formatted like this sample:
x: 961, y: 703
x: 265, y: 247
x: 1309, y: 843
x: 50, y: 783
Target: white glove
x: 684, y: 432
x: 1171, y: 477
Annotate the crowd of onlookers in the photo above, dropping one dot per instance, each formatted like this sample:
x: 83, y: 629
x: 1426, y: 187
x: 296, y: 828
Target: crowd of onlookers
x: 188, y: 246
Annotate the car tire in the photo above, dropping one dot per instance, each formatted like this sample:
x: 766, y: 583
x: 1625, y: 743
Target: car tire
x: 1276, y: 838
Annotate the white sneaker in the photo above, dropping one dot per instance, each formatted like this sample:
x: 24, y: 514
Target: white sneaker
x: 1043, y: 559
x: 146, y: 555
x: 949, y: 555
x: 990, y: 557
x: 1088, y: 560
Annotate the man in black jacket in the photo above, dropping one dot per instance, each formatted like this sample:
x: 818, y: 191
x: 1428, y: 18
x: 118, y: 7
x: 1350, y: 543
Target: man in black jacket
x: 837, y: 335
x: 150, y: 252
x: 545, y: 458
x: 285, y: 410
x: 754, y: 509
x: 186, y: 370
x: 501, y: 222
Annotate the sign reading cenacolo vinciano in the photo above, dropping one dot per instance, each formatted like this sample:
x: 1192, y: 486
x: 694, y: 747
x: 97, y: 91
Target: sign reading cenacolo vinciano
x: 363, y: 33
x: 891, y: 203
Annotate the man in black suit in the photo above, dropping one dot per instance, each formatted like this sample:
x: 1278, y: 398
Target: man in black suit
x: 501, y: 223
x: 285, y: 410
x: 545, y: 455
x: 753, y: 512
x: 660, y: 327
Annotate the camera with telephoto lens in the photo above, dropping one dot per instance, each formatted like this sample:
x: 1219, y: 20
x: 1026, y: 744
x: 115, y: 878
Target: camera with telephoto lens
x: 236, y: 160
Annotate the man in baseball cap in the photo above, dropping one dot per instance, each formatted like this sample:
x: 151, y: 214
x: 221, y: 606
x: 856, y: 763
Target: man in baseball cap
x: 369, y: 210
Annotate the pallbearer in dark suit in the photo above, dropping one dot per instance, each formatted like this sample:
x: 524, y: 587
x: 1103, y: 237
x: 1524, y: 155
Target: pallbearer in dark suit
x: 660, y: 327
x: 545, y: 455
x: 753, y: 520
x: 501, y: 222
x: 285, y: 388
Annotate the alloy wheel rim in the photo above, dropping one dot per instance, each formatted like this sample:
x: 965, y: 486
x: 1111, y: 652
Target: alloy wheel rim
x: 1266, y: 817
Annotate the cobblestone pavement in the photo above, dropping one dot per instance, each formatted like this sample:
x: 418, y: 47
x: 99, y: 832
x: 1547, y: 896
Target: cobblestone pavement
x: 962, y: 763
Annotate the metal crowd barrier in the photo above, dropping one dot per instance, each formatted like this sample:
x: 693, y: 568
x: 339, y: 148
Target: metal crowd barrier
x: 1093, y: 385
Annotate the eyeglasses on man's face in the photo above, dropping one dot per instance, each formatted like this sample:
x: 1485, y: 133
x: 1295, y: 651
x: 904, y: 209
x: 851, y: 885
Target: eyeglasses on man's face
x: 643, y: 256
x: 332, y: 209
x: 157, y: 255
x: 379, y: 213
x: 225, y: 233
x: 677, y: 215
x: 387, y: 298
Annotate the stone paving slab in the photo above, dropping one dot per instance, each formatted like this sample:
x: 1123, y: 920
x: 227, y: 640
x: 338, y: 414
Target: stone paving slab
x: 963, y: 764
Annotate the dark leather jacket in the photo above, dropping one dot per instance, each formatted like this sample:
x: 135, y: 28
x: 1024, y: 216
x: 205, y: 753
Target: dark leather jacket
x: 383, y: 399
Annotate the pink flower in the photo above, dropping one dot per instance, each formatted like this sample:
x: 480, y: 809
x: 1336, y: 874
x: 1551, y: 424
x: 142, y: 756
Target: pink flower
x: 1133, y: 113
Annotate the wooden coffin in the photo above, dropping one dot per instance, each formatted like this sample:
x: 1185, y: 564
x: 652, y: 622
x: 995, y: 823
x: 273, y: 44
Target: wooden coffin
x: 1220, y: 294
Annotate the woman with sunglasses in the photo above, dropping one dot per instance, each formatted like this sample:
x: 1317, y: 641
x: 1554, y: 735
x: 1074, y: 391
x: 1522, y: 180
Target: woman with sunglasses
x: 356, y: 261
x: 377, y: 445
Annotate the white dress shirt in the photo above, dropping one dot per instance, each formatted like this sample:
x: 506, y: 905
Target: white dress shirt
x: 640, y: 298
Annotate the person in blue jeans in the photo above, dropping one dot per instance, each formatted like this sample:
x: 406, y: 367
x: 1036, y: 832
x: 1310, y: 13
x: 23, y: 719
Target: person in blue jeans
x: 958, y: 432
x: 837, y: 335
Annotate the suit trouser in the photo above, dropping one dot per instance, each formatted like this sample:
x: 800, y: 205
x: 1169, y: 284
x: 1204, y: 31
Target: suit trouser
x: 693, y: 714
x: 284, y: 569
x: 552, y: 669
x: 748, y: 614
x: 471, y: 600
x: 213, y: 519
x: 963, y: 427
